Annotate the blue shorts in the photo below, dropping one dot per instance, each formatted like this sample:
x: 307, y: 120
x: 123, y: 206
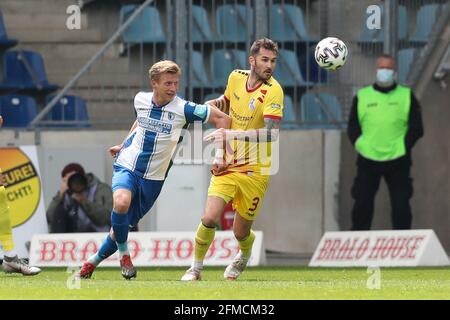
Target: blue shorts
x: 144, y: 192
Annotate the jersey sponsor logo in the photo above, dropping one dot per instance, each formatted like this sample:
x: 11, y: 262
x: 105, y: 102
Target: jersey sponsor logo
x: 200, y: 111
x: 155, y: 125
x: 238, y: 117
x: 275, y: 106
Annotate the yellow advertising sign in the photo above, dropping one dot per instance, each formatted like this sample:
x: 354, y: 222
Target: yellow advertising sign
x: 23, y: 186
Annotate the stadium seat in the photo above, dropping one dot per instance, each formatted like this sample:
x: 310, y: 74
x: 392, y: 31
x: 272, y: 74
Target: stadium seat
x: 223, y: 62
x: 232, y: 21
x: 146, y: 28
x: 289, y: 120
x: 320, y: 110
x: 201, y: 30
x: 405, y: 58
x: 199, y: 75
x: 17, y: 110
x: 5, y: 42
x: 25, y: 70
x: 287, y: 23
x: 69, y: 108
x: 426, y: 17
x: 287, y: 71
x: 377, y: 35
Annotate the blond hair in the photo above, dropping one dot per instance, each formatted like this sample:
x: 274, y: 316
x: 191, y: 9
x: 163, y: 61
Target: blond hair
x: 164, y: 66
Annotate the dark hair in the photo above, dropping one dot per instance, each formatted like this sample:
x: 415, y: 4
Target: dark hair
x: 265, y: 43
x: 72, y: 167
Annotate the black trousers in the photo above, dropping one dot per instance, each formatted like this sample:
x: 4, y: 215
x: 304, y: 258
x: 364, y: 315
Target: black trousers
x: 365, y: 186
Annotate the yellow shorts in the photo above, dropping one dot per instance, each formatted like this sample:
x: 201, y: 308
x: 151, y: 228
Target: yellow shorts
x: 246, y: 191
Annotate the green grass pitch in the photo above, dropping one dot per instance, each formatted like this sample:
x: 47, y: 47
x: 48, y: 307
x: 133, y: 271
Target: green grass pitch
x: 274, y: 283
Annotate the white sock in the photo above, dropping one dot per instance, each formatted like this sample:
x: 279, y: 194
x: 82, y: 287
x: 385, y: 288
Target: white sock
x: 198, y: 265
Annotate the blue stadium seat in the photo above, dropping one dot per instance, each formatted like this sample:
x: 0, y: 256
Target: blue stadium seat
x: 320, y: 110
x: 377, y: 35
x: 287, y: 71
x: 25, y: 70
x: 17, y: 110
x: 232, y: 22
x: 405, y: 58
x: 287, y: 23
x: 5, y: 42
x: 201, y: 30
x: 199, y: 75
x: 289, y: 120
x: 223, y: 62
x: 69, y: 108
x: 426, y: 17
x: 146, y: 28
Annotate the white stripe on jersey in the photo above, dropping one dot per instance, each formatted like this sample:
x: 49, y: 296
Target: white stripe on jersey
x: 149, y: 148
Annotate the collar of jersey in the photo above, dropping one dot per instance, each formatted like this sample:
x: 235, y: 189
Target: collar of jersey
x: 154, y: 104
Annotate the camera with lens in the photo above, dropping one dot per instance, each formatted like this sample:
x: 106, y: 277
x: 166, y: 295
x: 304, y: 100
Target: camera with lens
x: 77, y: 183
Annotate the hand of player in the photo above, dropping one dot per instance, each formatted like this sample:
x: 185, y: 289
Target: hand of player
x: 113, y: 151
x: 219, y: 167
x: 218, y: 135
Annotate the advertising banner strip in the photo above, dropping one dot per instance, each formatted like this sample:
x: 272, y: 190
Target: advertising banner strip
x: 146, y: 249
x: 379, y: 248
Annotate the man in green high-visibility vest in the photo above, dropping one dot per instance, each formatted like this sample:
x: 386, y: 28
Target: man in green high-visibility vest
x: 385, y: 123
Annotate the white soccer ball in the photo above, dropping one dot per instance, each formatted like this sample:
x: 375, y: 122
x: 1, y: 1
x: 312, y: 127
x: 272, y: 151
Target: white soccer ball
x: 331, y: 53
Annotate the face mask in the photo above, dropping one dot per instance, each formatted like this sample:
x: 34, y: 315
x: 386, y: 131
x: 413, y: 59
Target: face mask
x: 385, y: 77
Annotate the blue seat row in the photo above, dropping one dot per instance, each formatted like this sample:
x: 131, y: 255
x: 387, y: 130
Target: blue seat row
x: 223, y: 61
x: 287, y: 24
x: 425, y: 18
x: 19, y: 110
x: 317, y: 110
x: 25, y: 70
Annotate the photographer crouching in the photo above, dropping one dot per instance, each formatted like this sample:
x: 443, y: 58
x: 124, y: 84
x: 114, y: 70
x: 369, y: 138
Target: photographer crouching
x: 82, y: 204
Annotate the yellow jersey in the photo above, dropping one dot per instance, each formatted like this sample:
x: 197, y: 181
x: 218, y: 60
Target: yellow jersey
x: 248, y: 108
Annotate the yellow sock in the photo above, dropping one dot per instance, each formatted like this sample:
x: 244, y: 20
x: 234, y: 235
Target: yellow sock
x: 203, y: 239
x: 247, y: 244
x: 6, y: 238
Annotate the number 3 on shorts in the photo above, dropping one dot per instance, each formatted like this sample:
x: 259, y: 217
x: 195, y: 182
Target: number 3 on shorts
x: 255, y: 204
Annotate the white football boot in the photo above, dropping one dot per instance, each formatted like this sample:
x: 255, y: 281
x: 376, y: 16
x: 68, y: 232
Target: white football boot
x: 234, y: 270
x: 16, y: 265
x: 192, y: 274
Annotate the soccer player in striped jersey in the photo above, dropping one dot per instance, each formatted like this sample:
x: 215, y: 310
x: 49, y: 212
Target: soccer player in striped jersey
x: 254, y: 100
x: 11, y: 261
x: 143, y: 159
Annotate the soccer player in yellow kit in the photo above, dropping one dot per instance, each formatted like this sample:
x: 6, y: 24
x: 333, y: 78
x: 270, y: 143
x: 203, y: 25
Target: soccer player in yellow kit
x: 254, y: 101
x: 11, y: 262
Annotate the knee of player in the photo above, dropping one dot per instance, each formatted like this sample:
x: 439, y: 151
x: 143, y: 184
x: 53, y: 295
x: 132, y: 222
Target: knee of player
x: 121, y: 203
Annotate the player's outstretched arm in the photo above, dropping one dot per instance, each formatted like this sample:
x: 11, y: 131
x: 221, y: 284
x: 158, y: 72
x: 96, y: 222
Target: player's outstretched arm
x: 218, y: 118
x: 113, y: 151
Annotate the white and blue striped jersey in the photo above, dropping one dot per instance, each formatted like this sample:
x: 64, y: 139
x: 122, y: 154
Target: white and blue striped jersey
x: 149, y: 148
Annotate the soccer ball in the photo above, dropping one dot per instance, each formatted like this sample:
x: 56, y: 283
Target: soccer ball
x: 331, y: 53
